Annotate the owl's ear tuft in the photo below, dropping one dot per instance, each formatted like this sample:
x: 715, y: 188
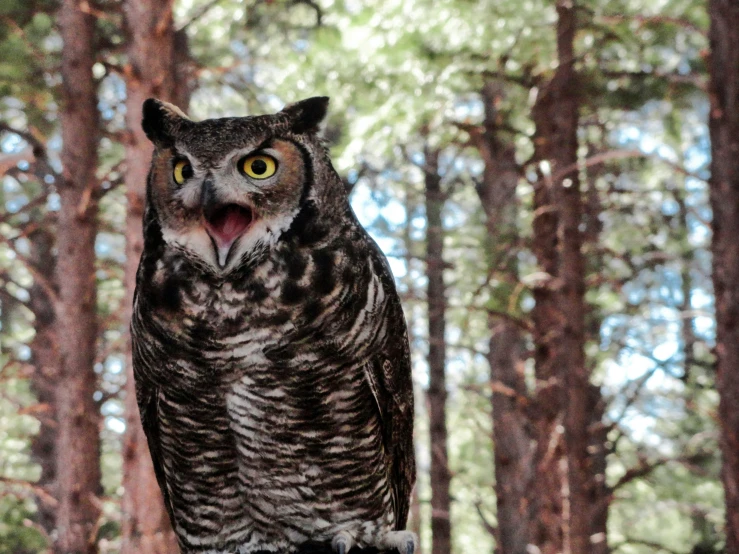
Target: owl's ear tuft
x: 306, y: 116
x: 161, y: 121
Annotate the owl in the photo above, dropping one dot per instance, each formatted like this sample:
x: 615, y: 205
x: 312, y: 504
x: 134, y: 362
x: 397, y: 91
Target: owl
x: 270, y: 351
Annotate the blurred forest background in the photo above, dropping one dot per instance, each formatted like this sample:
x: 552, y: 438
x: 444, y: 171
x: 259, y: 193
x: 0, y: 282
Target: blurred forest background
x: 545, y: 177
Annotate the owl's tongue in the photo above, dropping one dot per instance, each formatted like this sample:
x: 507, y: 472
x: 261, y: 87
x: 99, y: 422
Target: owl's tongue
x: 225, y: 225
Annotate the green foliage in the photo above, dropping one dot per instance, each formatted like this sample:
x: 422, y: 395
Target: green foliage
x: 17, y: 533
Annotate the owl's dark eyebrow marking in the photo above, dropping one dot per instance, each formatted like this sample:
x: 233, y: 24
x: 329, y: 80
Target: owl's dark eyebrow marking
x: 178, y: 156
x: 268, y: 143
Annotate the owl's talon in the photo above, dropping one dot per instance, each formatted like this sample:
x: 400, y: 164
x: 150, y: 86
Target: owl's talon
x: 342, y: 542
x: 404, y: 542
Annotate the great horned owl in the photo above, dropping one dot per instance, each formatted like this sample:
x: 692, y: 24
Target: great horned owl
x: 269, y: 346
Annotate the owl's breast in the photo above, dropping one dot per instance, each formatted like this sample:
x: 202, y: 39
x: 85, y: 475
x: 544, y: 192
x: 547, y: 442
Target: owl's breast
x: 280, y: 354
x: 310, y: 450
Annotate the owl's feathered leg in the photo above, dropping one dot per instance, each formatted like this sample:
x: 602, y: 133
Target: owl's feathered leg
x: 342, y: 543
x: 406, y: 542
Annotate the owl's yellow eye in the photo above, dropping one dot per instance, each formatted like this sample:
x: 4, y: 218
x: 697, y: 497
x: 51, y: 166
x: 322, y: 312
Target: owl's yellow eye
x: 258, y: 167
x: 182, y: 171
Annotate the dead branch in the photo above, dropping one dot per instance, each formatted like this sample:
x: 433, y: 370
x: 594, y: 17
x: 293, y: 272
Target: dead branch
x: 651, y: 20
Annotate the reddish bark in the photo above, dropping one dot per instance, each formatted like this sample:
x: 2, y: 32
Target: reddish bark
x: 78, y: 447
x: 564, y: 482
x: 512, y: 443
x: 549, y: 481
x: 436, y: 297
x: 157, y: 68
x: 724, y: 192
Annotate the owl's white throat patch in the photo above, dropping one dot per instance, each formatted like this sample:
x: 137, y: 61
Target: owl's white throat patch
x: 261, y: 233
x: 225, y: 225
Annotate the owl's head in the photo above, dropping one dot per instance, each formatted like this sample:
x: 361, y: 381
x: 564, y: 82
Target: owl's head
x: 223, y: 188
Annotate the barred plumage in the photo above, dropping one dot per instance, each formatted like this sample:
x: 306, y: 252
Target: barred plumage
x: 270, y: 350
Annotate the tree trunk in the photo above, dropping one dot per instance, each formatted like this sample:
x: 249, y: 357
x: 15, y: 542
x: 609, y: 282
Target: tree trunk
x: 414, y: 520
x: 598, y: 430
x: 512, y: 443
x: 45, y: 378
x: 157, y: 56
x: 724, y: 191
x: 549, y: 462
x: 440, y: 475
x: 686, y: 279
x: 564, y: 473
x: 600, y: 494
x: 78, y: 469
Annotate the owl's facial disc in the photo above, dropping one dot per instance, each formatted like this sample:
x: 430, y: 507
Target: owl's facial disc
x: 225, y: 224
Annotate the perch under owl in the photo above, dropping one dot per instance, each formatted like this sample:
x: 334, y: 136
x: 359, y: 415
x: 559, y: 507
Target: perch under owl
x: 270, y: 350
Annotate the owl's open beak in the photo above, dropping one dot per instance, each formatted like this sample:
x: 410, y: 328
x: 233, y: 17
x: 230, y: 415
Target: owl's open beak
x: 225, y: 224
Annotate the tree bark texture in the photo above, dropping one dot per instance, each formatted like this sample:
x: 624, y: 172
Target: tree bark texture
x: 511, y: 438
x: 599, y: 494
x: 78, y: 468
x: 436, y: 297
x: 157, y: 67
x: 724, y: 192
x: 45, y: 378
x: 599, y: 447
x: 564, y: 481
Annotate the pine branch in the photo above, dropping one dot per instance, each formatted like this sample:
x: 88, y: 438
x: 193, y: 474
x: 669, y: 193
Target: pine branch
x: 10, y: 484
x: 643, y: 469
x: 489, y: 527
x: 39, y: 278
x: 652, y: 20
x: 39, y: 148
x: 643, y: 542
x: 200, y: 13
x: 40, y: 200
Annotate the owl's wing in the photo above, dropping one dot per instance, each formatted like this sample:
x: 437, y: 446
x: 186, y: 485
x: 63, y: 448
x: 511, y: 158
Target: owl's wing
x: 147, y: 398
x: 389, y: 376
